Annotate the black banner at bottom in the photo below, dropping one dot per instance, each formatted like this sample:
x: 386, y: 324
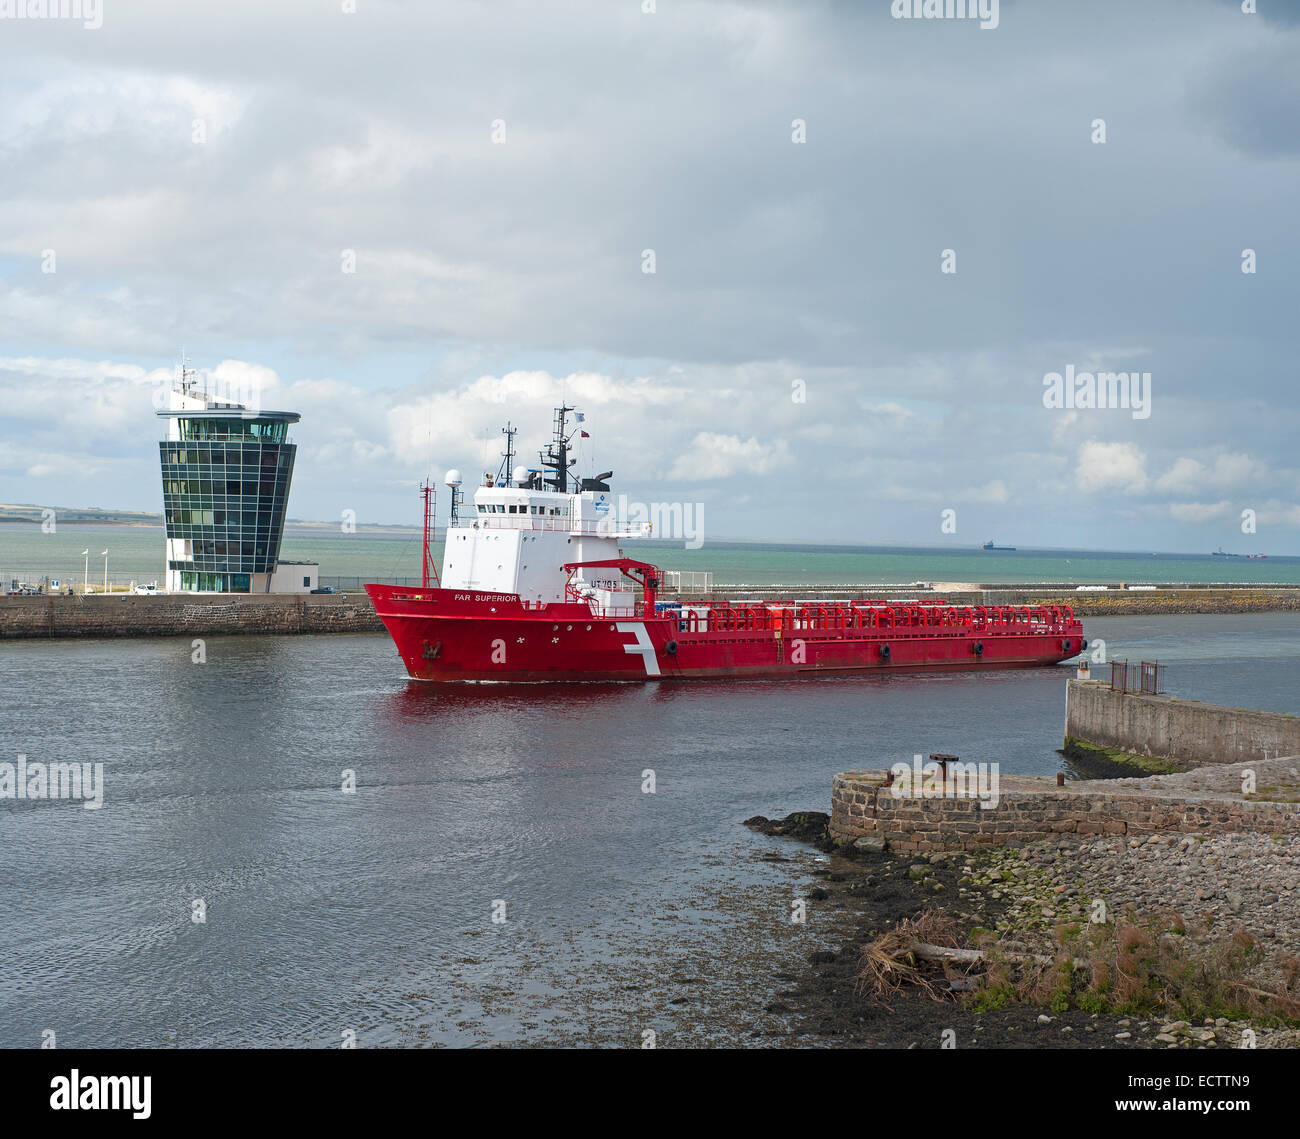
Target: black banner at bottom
x: 375, y: 1086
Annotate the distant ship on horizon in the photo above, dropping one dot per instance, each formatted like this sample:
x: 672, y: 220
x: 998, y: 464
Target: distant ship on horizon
x: 990, y: 546
x: 1222, y: 553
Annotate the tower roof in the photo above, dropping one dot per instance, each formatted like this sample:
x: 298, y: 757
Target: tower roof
x: 229, y: 411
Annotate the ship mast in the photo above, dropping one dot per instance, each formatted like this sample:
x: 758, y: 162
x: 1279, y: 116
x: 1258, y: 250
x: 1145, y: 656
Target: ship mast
x: 556, y: 456
x: 507, y: 470
x: 430, y: 509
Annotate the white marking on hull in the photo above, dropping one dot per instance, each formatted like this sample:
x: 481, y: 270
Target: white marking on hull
x: 642, y: 646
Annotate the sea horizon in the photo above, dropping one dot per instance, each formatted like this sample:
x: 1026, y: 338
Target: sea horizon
x: 379, y: 553
x: 155, y: 522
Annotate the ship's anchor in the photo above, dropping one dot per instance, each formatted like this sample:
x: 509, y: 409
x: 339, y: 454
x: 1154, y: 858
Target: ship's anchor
x: 432, y: 652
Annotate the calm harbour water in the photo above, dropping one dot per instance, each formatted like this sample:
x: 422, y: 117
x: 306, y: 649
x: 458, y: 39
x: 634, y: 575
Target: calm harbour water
x: 372, y: 912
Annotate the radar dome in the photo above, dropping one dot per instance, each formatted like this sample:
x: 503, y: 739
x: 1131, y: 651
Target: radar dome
x: 522, y: 476
x: 453, y: 477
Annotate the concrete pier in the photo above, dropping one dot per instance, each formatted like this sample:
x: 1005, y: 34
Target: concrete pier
x: 1185, y: 732
x: 185, y: 614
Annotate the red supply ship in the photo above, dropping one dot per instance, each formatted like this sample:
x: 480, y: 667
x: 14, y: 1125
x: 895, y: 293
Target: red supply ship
x: 535, y: 587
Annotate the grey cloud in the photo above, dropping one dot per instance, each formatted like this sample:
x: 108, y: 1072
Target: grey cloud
x: 774, y: 260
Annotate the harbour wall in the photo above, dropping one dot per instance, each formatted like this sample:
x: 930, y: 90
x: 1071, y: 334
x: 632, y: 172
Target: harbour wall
x: 865, y: 814
x: 1186, y: 732
x: 166, y: 615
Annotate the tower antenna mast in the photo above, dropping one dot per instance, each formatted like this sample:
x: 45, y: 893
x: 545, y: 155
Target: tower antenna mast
x: 186, y: 374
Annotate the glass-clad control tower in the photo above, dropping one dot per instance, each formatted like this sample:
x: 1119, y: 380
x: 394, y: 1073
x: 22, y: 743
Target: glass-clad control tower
x: 225, y: 471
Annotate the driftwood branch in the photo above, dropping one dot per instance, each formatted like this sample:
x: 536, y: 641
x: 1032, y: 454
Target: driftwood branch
x: 942, y: 953
x: 928, y: 952
x: 1285, y: 1003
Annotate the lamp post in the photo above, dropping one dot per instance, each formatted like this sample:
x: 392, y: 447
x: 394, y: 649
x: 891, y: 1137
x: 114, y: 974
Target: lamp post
x: 85, y: 581
x: 105, y: 571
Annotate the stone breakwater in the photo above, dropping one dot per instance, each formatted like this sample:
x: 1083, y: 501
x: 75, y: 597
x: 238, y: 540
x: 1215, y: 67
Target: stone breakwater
x: 1179, y: 601
x: 866, y: 813
x: 1186, y: 732
x: 184, y: 615
x: 1133, y: 603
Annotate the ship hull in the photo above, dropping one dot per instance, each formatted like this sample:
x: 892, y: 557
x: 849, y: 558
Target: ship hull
x: 450, y: 636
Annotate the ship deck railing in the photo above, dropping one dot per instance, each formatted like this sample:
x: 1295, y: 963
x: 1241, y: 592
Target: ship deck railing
x: 556, y: 525
x: 933, y: 619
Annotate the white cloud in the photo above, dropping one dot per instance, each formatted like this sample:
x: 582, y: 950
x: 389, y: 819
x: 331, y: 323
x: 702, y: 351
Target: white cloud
x: 1110, y: 466
x: 994, y: 492
x: 1192, y: 476
x: 1198, y: 511
x: 713, y: 456
x: 1064, y: 426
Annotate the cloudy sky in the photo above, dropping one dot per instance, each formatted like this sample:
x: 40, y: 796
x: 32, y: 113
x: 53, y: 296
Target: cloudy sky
x: 200, y: 176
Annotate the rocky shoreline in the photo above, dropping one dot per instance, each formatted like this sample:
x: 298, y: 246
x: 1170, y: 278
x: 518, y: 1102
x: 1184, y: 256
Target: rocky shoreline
x: 1229, y: 894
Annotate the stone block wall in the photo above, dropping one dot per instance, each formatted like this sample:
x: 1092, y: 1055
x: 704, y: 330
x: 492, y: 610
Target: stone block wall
x: 1030, y: 810
x: 172, y: 615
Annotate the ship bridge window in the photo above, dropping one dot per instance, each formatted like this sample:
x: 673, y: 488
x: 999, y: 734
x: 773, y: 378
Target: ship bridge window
x: 482, y: 509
